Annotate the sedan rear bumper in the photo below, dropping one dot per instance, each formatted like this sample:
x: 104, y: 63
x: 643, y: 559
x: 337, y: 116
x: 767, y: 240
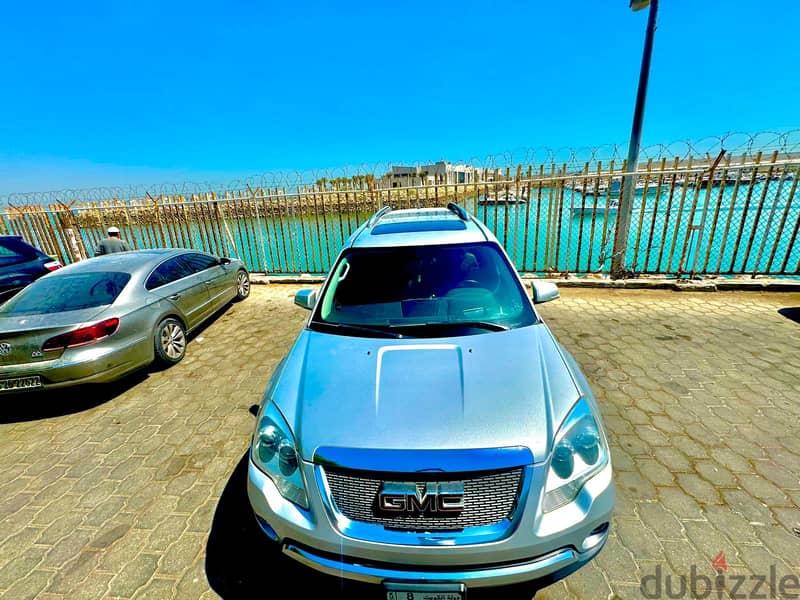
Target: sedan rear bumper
x: 90, y: 364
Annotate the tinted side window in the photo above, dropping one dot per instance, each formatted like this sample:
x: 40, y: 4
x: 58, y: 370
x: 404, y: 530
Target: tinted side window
x: 199, y: 262
x: 167, y: 272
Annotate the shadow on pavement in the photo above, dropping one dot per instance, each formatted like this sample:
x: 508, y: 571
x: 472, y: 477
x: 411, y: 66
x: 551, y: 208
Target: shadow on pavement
x: 35, y: 405
x: 241, y: 562
x: 32, y: 406
x: 793, y: 313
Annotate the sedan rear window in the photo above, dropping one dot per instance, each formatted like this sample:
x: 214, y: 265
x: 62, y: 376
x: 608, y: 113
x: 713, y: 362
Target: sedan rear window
x: 65, y: 292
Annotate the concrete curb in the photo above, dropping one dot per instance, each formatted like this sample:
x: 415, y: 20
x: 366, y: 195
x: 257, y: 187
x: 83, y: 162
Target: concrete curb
x: 682, y: 285
x: 647, y: 283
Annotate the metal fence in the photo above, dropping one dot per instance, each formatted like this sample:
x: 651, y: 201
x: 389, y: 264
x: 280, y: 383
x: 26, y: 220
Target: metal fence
x: 691, y: 217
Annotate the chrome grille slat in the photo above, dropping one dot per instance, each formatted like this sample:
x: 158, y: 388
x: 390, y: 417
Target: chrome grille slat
x: 489, y: 498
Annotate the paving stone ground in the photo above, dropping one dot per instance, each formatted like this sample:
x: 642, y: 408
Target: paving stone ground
x: 137, y: 490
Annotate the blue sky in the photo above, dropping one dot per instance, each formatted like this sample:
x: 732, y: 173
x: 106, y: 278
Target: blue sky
x: 103, y: 93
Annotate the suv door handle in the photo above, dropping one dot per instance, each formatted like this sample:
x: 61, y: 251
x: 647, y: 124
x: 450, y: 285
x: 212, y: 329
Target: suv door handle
x: 174, y: 297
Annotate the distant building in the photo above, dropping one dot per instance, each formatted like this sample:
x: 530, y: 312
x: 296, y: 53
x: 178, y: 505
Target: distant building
x: 440, y: 172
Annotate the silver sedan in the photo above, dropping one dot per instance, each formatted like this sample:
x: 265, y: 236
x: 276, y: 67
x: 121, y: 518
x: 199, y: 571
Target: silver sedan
x: 99, y: 319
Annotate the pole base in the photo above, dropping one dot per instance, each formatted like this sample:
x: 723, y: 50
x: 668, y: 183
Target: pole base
x: 623, y: 274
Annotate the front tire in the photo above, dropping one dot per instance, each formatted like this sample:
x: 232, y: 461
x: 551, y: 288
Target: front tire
x: 242, y: 285
x: 170, y: 342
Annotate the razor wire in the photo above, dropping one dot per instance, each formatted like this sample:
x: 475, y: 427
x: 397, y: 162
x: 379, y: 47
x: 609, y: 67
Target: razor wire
x: 378, y: 174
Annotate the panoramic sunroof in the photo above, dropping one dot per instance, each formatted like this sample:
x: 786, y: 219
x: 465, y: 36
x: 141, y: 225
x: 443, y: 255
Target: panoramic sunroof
x: 417, y: 226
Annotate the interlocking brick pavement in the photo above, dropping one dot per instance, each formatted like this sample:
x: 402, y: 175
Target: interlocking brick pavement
x: 137, y: 490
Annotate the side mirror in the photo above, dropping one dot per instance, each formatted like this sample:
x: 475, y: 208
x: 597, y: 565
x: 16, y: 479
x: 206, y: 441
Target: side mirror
x: 306, y: 298
x: 544, y: 291
x: 224, y: 261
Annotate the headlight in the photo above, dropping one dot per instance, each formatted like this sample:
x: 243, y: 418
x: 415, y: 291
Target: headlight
x: 580, y: 451
x: 273, y: 451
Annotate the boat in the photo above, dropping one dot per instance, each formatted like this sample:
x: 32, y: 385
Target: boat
x: 503, y: 198
x: 610, y: 207
x: 641, y: 186
x: 591, y: 190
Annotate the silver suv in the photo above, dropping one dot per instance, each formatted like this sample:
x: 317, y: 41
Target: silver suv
x: 426, y: 432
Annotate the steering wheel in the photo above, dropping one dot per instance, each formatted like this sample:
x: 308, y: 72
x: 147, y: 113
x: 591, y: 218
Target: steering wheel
x: 473, y: 283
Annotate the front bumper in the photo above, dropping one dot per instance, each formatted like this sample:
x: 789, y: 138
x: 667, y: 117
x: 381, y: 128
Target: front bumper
x: 539, y: 546
x: 554, y: 566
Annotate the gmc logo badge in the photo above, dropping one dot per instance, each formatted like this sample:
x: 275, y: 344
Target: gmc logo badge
x: 408, y: 497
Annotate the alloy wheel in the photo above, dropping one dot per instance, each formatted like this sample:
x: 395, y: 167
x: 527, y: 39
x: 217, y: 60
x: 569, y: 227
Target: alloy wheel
x: 173, y: 340
x: 242, y: 285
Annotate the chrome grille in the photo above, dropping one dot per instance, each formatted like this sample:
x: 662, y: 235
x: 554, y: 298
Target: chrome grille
x: 489, y: 498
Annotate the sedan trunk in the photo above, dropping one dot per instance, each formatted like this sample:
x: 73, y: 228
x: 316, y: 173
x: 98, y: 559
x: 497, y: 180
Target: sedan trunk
x: 23, y: 335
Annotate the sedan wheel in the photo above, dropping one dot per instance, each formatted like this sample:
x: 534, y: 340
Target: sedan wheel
x: 170, y: 341
x: 242, y: 285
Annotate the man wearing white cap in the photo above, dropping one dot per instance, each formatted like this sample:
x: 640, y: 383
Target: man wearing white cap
x: 113, y: 243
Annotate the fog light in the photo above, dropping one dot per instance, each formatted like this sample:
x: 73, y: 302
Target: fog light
x: 596, y: 537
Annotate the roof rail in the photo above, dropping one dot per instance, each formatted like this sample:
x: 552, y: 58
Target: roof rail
x: 377, y: 216
x: 459, y: 210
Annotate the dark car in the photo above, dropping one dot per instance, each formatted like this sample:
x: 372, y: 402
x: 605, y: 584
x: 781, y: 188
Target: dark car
x: 20, y: 264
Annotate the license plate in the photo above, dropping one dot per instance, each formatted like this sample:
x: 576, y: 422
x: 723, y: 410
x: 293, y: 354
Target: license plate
x: 425, y: 591
x: 20, y: 383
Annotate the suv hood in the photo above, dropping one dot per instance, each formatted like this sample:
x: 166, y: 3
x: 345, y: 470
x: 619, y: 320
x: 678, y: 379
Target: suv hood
x: 491, y: 390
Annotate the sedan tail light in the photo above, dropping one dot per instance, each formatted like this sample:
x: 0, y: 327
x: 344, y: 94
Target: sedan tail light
x: 52, y: 265
x: 82, y: 336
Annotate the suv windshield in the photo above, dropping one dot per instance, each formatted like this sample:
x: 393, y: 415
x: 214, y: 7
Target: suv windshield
x: 423, y: 291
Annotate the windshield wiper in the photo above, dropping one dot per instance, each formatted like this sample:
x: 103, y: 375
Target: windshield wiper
x: 457, y: 324
x: 361, y: 328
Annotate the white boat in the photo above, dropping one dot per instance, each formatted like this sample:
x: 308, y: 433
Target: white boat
x: 502, y: 198
x: 640, y: 186
x: 591, y: 190
x: 611, y: 207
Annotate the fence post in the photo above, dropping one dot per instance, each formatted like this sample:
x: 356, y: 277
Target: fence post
x: 260, y: 226
x: 702, y: 227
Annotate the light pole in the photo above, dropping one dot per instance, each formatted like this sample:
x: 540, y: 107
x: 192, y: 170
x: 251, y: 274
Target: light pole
x: 618, y: 267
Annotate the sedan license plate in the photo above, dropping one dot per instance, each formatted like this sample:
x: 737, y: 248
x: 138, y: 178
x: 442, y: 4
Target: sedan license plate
x: 20, y: 383
x: 425, y: 591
